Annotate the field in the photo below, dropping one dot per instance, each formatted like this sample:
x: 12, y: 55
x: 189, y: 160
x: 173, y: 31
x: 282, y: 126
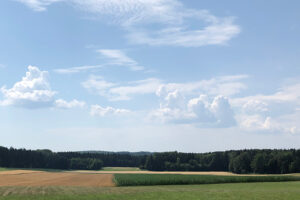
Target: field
x: 178, y: 179
x: 120, y: 169
x: 67, y: 185
x: 42, y: 178
x: 237, y: 191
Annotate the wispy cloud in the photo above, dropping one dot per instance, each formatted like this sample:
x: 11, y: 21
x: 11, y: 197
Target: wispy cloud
x: 73, y: 70
x: 97, y: 85
x: 224, y: 85
x: 171, y: 19
x: 111, y: 57
x: 118, y: 92
x: 38, y: 5
x: 118, y: 57
x: 146, y: 86
x: 2, y: 66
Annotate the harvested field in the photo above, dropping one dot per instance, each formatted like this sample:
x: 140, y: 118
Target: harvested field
x: 37, y: 178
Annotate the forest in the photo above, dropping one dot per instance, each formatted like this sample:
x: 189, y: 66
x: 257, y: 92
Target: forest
x: 265, y: 161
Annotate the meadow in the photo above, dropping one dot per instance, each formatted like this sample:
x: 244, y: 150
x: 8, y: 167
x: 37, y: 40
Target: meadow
x: 235, y: 191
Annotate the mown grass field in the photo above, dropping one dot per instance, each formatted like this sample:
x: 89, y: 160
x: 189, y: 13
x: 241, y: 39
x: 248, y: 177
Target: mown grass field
x: 178, y: 179
x: 235, y: 191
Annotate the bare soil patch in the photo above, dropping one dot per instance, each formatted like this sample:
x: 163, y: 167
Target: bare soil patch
x: 36, y: 178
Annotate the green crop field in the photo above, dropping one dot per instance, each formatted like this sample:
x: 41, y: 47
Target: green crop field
x: 177, y: 179
x: 235, y: 191
x: 3, y: 169
x: 120, y: 169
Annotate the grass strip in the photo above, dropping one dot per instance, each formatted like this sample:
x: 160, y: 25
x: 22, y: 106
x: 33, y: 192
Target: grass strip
x: 178, y: 179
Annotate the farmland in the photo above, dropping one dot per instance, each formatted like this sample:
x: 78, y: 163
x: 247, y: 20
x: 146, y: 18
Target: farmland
x: 237, y: 191
x: 89, y: 185
x: 178, y: 179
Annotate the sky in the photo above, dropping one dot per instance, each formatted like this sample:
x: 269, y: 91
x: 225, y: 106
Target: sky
x: 149, y: 75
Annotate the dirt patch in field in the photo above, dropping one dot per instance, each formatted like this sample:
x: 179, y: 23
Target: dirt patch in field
x: 36, y: 178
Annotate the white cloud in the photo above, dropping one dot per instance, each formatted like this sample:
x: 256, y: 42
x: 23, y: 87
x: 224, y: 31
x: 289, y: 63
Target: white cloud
x: 115, y: 92
x: 60, y: 103
x: 147, y: 86
x: 2, y: 66
x: 97, y: 110
x: 113, y: 57
x: 170, y: 17
x: 97, y: 85
x: 255, y: 106
x: 38, y: 5
x: 200, y: 111
x: 32, y: 91
x: 288, y: 93
x: 275, y: 112
x: 214, y: 34
x: 223, y: 112
x: 72, y: 70
x: 223, y: 85
x: 118, y: 57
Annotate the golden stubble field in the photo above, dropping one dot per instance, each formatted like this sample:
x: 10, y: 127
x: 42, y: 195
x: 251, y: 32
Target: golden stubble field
x: 40, y: 178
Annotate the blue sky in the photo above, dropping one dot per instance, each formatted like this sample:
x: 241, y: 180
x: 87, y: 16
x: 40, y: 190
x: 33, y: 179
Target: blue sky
x: 154, y: 75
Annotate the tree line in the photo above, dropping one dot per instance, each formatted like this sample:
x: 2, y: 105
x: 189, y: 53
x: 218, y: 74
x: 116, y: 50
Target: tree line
x: 240, y: 161
x: 243, y: 161
x: 45, y: 159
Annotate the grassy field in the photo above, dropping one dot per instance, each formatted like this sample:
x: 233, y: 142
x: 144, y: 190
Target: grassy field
x: 120, y: 169
x: 236, y: 191
x: 177, y: 179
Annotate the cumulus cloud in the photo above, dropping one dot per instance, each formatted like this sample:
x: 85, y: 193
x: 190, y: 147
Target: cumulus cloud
x: 202, y: 111
x: 32, y: 91
x: 97, y: 110
x: 223, y: 112
x: 170, y: 18
x: 255, y: 106
x: 275, y: 112
x: 60, y: 103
